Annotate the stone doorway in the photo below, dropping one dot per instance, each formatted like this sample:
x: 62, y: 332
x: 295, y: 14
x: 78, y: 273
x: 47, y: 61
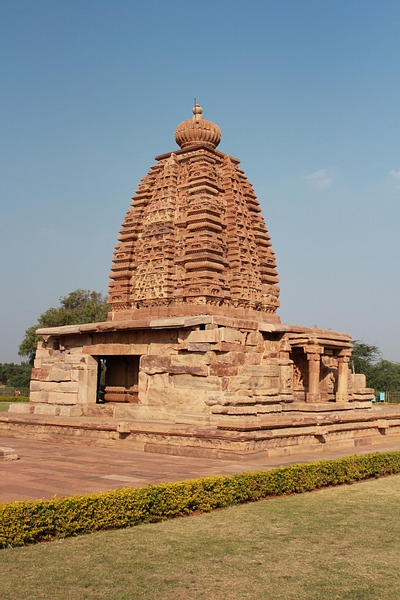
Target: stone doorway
x: 118, y: 379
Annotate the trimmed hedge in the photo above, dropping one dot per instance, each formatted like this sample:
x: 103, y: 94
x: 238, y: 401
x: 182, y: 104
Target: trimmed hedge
x: 29, y: 521
x: 14, y: 399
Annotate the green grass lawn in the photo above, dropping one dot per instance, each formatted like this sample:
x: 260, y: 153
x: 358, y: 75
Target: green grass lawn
x: 337, y: 543
x: 4, y: 406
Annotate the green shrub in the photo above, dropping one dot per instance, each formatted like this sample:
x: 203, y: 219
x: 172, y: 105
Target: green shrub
x: 14, y: 399
x: 34, y: 521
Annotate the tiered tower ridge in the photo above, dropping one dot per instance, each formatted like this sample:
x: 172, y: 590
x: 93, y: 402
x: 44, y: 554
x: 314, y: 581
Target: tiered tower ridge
x: 194, y: 240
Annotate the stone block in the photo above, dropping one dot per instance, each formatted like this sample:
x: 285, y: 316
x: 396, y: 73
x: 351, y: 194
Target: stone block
x: 70, y: 411
x: 40, y: 374
x: 196, y: 383
x: 218, y: 409
x: 59, y: 386
x: 269, y: 355
x: 161, y: 349
x: 168, y: 322
x: 155, y: 364
x: 270, y: 396
x: 357, y: 381
x: 189, y: 418
x: 7, y: 453
x: 236, y: 322
x: 62, y: 398
x: 208, y: 335
x: 272, y: 384
x: 22, y: 408
x: 126, y: 411
x: 161, y: 380
x: 158, y: 396
x: 232, y: 336
x: 38, y: 396
x: 143, y: 383
x: 229, y: 347
x: 255, y: 338
x: 241, y: 400
x: 116, y: 349
x: 242, y: 410
x: 60, y: 375
x: 223, y: 370
x: 47, y: 409
x: 193, y: 360
x: 200, y: 370
x: 267, y: 408
x: 74, y: 358
x: 237, y: 384
x: 74, y: 351
x: 75, y: 374
x: 87, y: 384
x: 231, y: 358
x: 227, y: 399
x: 260, y: 370
x: 174, y: 400
x: 43, y: 353
x: 256, y: 349
x: 252, y: 358
x: 213, y: 399
x: 198, y: 347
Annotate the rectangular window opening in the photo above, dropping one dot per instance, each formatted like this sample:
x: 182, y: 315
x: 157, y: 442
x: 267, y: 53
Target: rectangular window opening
x: 118, y: 378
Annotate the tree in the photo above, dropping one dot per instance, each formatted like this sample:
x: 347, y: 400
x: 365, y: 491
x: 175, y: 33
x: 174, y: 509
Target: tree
x: 382, y: 375
x: 363, y: 356
x: 15, y: 375
x: 80, y: 306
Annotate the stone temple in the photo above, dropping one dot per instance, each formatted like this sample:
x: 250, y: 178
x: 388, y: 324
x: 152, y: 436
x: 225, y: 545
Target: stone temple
x: 194, y: 359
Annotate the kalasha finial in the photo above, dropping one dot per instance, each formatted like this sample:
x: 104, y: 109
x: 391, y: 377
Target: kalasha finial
x: 197, y: 130
x: 197, y: 112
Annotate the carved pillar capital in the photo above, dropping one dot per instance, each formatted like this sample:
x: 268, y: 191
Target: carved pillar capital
x: 313, y: 351
x: 344, y: 355
x: 313, y: 356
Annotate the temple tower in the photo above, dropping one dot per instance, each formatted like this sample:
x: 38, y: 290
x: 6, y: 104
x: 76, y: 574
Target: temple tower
x: 194, y: 241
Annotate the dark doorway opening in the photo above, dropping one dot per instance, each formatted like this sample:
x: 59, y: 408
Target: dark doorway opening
x: 118, y: 378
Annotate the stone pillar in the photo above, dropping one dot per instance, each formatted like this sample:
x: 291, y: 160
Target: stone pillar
x: 285, y: 372
x: 343, y: 376
x: 313, y: 352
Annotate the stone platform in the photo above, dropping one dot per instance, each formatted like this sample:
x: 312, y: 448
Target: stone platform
x: 301, y: 428
x: 45, y: 468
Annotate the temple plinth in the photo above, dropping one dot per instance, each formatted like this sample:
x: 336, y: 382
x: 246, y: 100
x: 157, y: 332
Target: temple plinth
x: 194, y: 359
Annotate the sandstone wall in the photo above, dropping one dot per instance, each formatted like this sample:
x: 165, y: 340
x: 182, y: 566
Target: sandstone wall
x: 206, y: 374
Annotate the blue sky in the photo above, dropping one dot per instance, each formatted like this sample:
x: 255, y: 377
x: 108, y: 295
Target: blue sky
x: 306, y: 93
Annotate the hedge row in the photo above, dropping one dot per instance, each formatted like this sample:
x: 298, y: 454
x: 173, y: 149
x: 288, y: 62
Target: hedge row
x: 29, y: 521
x: 14, y: 399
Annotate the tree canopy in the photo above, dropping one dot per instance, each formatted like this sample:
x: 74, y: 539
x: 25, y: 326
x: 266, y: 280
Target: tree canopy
x: 80, y: 306
x: 363, y: 357
x: 382, y: 375
x: 15, y: 375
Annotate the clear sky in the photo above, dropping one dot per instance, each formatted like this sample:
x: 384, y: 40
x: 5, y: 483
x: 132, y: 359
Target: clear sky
x: 306, y: 93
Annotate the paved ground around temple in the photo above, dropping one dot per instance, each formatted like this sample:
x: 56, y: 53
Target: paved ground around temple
x: 45, y: 469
